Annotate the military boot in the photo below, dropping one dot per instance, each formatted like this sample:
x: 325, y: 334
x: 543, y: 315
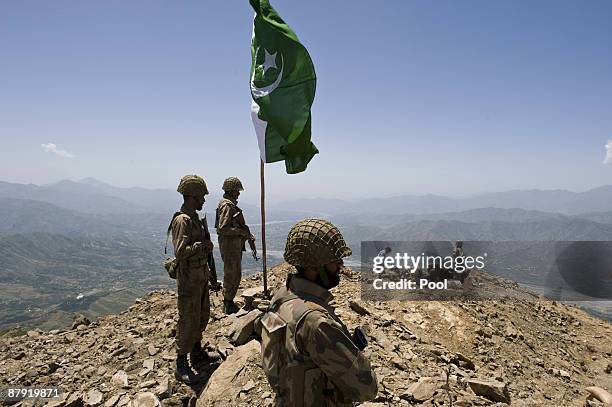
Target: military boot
x: 183, y: 372
x: 199, y: 357
x: 229, y: 307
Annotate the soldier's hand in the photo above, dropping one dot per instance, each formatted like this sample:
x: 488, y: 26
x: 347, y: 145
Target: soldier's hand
x: 251, y: 238
x: 196, y: 247
x: 207, y: 246
x: 216, y: 286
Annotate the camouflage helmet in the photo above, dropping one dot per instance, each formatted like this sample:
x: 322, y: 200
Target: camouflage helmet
x: 232, y: 184
x: 314, y: 243
x: 192, y: 185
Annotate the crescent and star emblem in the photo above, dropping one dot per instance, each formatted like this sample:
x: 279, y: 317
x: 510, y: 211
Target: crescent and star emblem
x: 269, y: 62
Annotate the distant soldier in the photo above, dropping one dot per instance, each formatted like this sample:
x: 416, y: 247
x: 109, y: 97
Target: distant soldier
x: 232, y: 232
x: 192, y: 247
x: 457, y: 253
x: 308, y: 354
x: 458, y: 249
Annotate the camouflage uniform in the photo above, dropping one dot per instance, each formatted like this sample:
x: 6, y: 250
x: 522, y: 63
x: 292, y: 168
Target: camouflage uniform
x: 231, y: 242
x: 307, y: 352
x: 192, y: 279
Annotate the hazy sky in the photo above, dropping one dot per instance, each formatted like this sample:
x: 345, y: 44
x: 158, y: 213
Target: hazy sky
x: 446, y: 97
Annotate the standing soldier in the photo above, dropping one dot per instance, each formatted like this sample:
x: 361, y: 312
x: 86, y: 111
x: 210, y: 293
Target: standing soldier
x: 308, y: 354
x: 192, y: 247
x: 232, y: 232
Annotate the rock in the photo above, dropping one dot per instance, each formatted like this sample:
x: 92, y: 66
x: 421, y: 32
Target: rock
x: 243, y: 328
x: 149, y: 364
x: 74, y: 400
x: 120, y: 379
x: 564, y: 374
x: 358, y: 308
x: 608, y: 368
x: 79, y: 319
x: 168, y: 356
x: 33, y: 334
x: 145, y: 399
x: 493, y: 390
x: 124, y: 400
x: 93, y: 398
x: 248, y: 386
x: 147, y: 384
x: 249, y: 295
x: 152, y: 350
x: 164, y: 389
x: 421, y: 391
x: 600, y: 394
x: 52, y: 367
x: 112, y: 401
x: 225, y: 383
x: 101, y: 370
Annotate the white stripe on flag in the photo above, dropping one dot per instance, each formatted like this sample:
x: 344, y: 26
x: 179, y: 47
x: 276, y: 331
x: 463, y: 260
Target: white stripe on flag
x: 260, y: 130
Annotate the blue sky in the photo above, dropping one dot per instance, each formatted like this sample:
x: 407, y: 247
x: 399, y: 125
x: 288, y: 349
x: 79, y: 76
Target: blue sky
x: 413, y: 97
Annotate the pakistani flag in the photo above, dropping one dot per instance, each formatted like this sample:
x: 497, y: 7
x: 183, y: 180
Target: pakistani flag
x: 283, y: 86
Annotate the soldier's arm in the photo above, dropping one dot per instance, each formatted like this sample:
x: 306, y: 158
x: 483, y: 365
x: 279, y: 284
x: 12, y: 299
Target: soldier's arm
x: 226, y: 225
x: 335, y: 354
x: 183, y: 248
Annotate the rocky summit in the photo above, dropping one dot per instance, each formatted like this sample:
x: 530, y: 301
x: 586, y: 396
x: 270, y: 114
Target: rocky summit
x: 522, y: 351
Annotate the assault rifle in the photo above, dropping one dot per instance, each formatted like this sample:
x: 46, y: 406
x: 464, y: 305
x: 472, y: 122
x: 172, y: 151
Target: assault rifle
x: 210, y: 260
x: 239, y: 218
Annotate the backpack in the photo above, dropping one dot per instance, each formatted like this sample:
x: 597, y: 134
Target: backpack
x: 274, y: 328
x: 170, y: 263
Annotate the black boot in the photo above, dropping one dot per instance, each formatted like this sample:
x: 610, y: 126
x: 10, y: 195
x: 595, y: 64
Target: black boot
x: 200, y: 357
x: 229, y: 307
x: 183, y: 372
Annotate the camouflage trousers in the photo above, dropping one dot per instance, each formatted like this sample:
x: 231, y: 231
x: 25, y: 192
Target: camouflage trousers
x: 193, y: 315
x: 232, y: 273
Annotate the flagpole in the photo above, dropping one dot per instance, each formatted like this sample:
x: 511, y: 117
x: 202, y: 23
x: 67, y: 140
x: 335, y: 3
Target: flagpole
x: 263, y: 227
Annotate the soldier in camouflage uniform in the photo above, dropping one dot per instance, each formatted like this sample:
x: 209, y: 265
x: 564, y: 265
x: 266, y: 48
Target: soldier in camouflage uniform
x: 232, y: 235
x: 308, y: 354
x: 192, y: 246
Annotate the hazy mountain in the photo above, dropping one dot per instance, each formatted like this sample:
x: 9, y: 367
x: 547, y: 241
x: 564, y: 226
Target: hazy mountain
x: 68, y: 196
x: 513, y: 215
x: 558, y: 201
x: 552, y: 229
x: 25, y: 216
x: 92, y: 196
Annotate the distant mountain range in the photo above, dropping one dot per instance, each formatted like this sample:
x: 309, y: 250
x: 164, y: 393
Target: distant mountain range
x: 90, y: 196
x: 556, y: 201
x: 72, y: 237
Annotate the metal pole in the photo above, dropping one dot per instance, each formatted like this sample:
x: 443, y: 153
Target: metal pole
x: 263, y: 227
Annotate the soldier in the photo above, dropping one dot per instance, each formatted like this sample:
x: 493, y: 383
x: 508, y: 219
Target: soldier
x: 309, y: 356
x: 232, y: 232
x: 192, y: 247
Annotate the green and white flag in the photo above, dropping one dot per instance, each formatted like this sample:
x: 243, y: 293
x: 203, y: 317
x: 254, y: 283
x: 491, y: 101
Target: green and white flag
x: 283, y: 83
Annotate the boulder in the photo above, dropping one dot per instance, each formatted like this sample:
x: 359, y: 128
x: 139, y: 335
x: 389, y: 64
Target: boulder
x: 358, y: 308
x: 93, y: 398
x: 421, y: 391
x: 227, y: 381
x: 493, y: 390
x: 120, y: 379
x: 250, y: 294
x: 79, y: 319
x: 145, y: 399
x: 243, y: 328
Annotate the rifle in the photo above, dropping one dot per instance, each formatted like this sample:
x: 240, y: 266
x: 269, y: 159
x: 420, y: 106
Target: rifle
x: 239, y: 217
x: 210, y: 260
